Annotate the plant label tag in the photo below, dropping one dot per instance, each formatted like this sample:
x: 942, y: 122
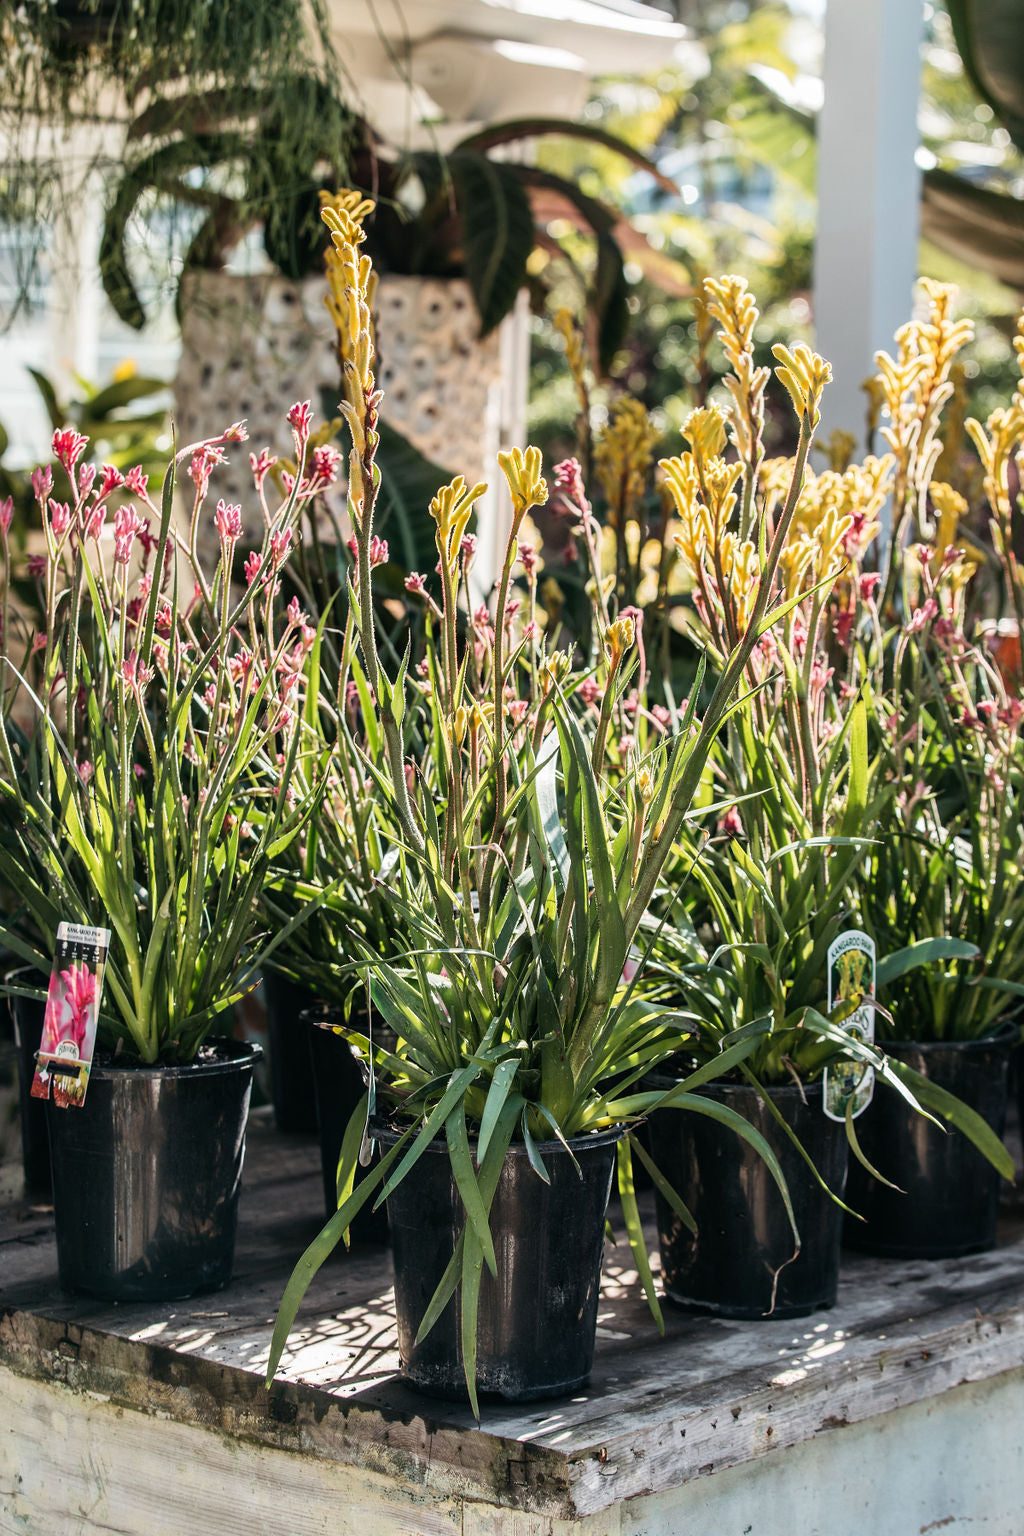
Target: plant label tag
x: 634, y: 960
x: 72, y: 1012
x: 366, y: 1145
x: 851, y: 979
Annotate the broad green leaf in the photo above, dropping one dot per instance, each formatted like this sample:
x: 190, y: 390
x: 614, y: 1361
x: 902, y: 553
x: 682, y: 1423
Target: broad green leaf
x: 982, y: 228
x: 924, y: 952
x: 610, y: 301
x: 497, y: 230
x: 519, y: 129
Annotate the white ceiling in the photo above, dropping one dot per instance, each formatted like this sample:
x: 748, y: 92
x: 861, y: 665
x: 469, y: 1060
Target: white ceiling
x: 472, y: 61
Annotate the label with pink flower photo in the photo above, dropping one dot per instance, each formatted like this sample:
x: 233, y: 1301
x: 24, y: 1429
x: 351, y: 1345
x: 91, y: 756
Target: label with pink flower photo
x: 72, y: 1010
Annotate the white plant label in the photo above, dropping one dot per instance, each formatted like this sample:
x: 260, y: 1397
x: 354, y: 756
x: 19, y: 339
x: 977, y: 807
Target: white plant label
x: 851, y: 977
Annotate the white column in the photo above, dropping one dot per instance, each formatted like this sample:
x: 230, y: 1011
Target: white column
x: 505, y: 428
x: 76, y: 295
x: 868, y: 193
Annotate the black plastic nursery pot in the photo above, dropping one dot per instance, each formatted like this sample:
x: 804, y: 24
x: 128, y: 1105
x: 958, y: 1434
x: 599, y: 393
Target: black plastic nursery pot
x: 27, y: 1016
x: 291, y: 1086
x: 740, y: 1261
x: 950, y: 1198
x: 339, y: 1087
x: 537, y: 1319
x: 147, y: 1173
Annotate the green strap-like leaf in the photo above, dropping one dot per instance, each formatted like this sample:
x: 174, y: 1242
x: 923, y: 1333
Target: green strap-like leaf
x: 536, y: 1161
x: 472, y: 1274
x: 490, y: 1173
x: 320, y: 1249
x: 461, y: 1163
x: 635, y: 1230
x: 457, y: 1086
x: 858, y: 1151
x: 924, y: 952
x: 958, y: 1114
x: 662, y: 1184
x: 497, y: 1093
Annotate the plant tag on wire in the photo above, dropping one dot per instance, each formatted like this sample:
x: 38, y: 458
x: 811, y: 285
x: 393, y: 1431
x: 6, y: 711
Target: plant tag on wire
x: 366, y: 1145
x: 851, y: 978
x: 65, y: 1052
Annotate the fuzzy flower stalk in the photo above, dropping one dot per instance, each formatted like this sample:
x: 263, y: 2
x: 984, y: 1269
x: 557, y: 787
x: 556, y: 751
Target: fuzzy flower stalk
x: 480, y: 821
x: 350, y: 294
x: 521, y: 868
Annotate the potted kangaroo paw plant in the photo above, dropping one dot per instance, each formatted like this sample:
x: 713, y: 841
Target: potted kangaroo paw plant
x: 523, y: 872
x: 156, y: 760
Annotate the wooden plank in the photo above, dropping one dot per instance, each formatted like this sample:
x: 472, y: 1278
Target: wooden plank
x: 72, y: 1466
x: 658, y: 1413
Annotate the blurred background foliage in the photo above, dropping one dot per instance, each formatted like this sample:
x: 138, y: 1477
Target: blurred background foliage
x: 733, y: 124
x: 730, y: 119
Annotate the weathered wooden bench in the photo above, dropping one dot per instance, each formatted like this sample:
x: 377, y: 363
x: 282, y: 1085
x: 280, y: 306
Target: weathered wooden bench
x: 898, y: 1412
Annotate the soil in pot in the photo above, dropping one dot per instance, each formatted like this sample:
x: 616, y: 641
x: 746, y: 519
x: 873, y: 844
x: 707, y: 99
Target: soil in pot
x: 740, y: 1261
x: 339, y: 1086
x: 537, y: 1319
x: 950, y: 1192
x: 27, y: 1017
x: 147, y: 1173
x: 291, y: 1069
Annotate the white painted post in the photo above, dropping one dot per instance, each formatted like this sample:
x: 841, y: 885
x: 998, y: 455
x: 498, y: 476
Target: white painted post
x: 505, y: 428
x: 83, y: 157
x: 75, y: 294
x: 868, y: 193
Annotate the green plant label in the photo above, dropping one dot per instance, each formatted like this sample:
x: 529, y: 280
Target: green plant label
x: 72, y: 1011
x: 848, y: 1086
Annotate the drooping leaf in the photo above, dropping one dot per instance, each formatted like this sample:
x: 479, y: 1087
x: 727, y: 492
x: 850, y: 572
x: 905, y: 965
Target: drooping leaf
x: 165, y: 169
x: 924, y: 952
x: 958, y: 1114
x: 611, y: 292
x: 540, y: 127
x: 497, y: 230
x: 461, y: 1163
x: 662, y: 1185
x: 321, y: 1248
x: 49, y: 395
x: 989, y: 36
x: 122, y: 392
x: 985, y: 229
x: 634, y: 1228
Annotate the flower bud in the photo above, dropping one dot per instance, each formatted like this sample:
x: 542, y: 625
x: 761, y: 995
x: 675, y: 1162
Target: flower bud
x: 460, y: 722
x: 619, y: 637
